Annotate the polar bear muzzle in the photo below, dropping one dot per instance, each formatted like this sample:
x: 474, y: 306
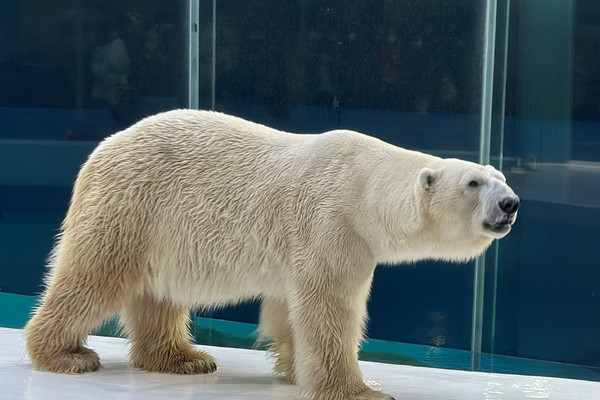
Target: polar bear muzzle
x: 505, y: 216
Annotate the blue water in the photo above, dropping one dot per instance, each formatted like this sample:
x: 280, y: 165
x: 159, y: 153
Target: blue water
x: 394, y: 352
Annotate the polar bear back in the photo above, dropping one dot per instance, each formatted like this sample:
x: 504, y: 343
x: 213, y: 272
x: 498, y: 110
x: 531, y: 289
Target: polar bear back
x: 194, y: 192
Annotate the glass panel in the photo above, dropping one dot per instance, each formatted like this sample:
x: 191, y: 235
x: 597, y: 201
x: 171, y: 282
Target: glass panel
x: 407, y: 72
x: 393, y: 69
x: 548, y: 289
x: 72, y: 73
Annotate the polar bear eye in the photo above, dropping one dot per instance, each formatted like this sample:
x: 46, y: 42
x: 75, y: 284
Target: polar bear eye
x: 473, y: 183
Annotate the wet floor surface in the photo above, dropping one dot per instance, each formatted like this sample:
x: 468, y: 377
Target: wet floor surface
x: 247, y: 374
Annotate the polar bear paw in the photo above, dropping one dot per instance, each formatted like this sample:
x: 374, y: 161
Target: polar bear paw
x: 367, y: 394
x: 185, y: 362
x: 373, y: 395
x: 72, y: 362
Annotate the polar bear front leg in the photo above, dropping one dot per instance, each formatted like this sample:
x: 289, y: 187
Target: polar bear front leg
x: 276, y: 329
x: 160, y: 339
x: 327, y: 315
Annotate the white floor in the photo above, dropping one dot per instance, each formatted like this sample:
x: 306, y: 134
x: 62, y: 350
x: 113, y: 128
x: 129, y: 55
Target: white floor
x: 246, y: 374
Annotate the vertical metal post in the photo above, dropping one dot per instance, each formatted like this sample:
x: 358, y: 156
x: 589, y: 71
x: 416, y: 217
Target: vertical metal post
x: 500, y: 131
x: 193, y: 92
x: 484, y: 158
x: 504, y: 60
x: 193, y: 54
x: 213, y: 74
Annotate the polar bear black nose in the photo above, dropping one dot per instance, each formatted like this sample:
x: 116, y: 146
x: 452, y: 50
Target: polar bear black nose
x: 510, y: 204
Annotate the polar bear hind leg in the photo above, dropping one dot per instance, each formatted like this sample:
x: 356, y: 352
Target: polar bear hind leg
x: 71, y: 308
x: 275, y: 328
x: 160, y: 338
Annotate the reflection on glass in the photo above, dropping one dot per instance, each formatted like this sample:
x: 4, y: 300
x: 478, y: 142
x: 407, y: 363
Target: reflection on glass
x: 393, y: 69
x: 72, y: 73
x: 548, y: 280
x: 112, y: 61
x: 404, y: 71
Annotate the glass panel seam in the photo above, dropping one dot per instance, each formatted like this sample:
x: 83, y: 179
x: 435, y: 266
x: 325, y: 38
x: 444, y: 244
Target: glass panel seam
x: 194, y: 51
x: 213, y: 82
x: 484, y: 158
x: 504, y: 60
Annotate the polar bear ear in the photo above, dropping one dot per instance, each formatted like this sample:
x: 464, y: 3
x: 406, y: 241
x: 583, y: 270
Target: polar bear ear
x: 426, y: 178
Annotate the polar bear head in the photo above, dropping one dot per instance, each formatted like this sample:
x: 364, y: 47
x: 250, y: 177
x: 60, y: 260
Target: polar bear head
x: 466, y: 204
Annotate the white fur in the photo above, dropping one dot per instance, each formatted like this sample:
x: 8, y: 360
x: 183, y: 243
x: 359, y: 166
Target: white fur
x: 198, y: 209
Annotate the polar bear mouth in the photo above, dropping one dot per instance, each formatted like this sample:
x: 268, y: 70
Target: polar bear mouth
x: 498, y: 227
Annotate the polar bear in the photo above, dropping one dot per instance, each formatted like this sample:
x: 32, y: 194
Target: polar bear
x: 200, y: 209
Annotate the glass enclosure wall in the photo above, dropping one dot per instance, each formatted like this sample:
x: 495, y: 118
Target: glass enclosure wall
x: 72, y: 73
x: 544, y: 295
x: 409, y: 72
x: 404, y: 71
